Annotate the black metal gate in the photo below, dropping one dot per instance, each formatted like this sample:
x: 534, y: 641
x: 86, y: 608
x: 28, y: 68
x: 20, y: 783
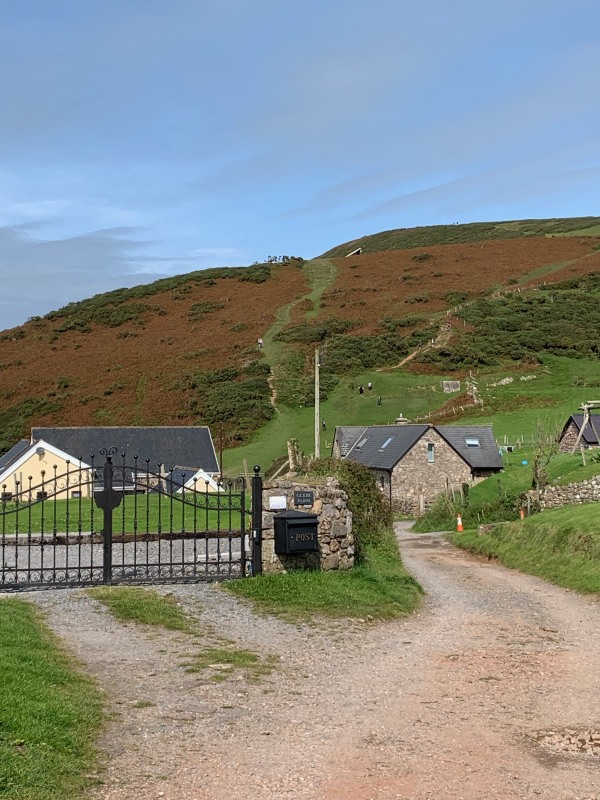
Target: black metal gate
x: 123, y: 522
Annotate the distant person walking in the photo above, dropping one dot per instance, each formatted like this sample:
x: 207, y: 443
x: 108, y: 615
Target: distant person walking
x: 324, y: 425
x: 361, y: 389
x: 260, y: 342
x: 379, y: 400
x: 370, y: 386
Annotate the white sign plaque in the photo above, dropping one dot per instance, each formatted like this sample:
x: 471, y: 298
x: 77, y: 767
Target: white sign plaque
x: 277, y: 503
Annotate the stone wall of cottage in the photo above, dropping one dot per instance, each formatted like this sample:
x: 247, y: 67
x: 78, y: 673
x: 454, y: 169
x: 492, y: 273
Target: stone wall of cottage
x: 572, y: 494
x: 569, y: 437
x: 336, y: 541
x: 416, y: 482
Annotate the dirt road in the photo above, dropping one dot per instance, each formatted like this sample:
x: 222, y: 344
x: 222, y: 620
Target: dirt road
x: 455, y: 702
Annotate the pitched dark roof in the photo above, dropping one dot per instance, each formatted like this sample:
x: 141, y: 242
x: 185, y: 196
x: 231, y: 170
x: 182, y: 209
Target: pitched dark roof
x: 382, y: 446
x: 588, y: 434
x: 485, y: 456
x: 14, y: 453
x: 346, y: 436
x: 168, y: 446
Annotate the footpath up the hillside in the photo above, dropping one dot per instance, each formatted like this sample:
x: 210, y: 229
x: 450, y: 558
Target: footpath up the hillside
x: 471, y: 698
x: 320, y: 274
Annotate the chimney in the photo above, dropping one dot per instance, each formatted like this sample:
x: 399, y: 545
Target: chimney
x: 400, y: 420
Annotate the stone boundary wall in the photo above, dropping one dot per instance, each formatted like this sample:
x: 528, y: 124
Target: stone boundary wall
x: 336, y: 541
x: 572, y: 494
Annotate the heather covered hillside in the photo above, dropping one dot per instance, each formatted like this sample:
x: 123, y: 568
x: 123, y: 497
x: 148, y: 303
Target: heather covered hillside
x: 185, y: 349
x: 430, y: 235
x: 151, y: 355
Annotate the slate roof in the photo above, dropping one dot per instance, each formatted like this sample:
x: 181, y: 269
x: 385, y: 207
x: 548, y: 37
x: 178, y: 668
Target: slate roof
x: 161, y: 445
x: 382, y: 446
x: 346, y: 436
x: 177, y: 477
x: 14, y: 453
x: 588, y: 434
x: 486, y: 456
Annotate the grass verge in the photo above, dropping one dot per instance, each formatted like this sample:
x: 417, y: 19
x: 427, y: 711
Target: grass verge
x: 379, y: 587
x: 49, y: 712
x: 148, y: 607
x: 136, y: 604
x: 562, y: 546
x: 223, y: 662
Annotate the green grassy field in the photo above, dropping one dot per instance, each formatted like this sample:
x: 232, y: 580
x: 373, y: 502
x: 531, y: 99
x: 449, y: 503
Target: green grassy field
x: 400, y: 392
x: 142, y: 513
x: 562, y: 546
x: 556, y: 392
x: 516, y: 477
x: 558, y: 389
x: 49, y: 712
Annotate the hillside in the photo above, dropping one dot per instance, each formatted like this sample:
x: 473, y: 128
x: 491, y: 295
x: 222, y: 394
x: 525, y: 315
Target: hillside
x: 184, y: 350
x: 144, y: 355
x: 429, y: 235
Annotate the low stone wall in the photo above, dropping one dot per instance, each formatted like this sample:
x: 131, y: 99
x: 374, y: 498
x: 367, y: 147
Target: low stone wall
x: 571, y: 494
x: 336, y: 541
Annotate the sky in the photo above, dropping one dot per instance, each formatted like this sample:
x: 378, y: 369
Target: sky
x: 146, y: 138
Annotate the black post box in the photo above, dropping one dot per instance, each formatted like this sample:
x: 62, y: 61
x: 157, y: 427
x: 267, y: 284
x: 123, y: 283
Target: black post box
x: 296, y: 532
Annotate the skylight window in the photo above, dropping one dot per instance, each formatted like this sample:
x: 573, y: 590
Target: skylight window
x: 360, y: 444
x: 385, y: 444
x: 472, y: 441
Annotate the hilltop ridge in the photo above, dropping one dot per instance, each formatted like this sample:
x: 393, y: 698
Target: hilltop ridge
x: 465, y: 233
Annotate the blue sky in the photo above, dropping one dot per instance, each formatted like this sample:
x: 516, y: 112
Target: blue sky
x: 143, y: 138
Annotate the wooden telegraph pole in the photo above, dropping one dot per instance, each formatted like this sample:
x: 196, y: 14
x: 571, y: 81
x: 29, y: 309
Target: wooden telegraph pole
x: 317, y: 406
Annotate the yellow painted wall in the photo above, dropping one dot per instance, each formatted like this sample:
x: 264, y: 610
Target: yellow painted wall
x: 63, y: 482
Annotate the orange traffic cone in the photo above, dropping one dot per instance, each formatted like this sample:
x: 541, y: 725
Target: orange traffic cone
x: 522, y: 513
x: 459, y: 525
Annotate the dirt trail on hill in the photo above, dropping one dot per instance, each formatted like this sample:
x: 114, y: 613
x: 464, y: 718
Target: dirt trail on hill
x: 320, y: 275
x: 450, y: 703
x: 442, y: 339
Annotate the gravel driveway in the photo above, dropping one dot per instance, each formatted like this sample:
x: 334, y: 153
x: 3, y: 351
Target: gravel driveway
x: 489, y: 691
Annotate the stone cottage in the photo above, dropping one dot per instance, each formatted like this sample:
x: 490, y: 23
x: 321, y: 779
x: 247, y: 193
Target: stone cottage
x: 572, y: 429
x: 414, y: 464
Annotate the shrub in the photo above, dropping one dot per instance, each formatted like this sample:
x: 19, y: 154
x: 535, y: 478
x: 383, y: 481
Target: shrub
x: 442, y: 515
x: 422, y: 297
x: 200, y: 310
x: 257, y: 274
x: 236, y: 399
x: 307, y: 334
x: 391, y: 324
x: 347, y: 354
x: 455, y: 298
x: 371, y: 514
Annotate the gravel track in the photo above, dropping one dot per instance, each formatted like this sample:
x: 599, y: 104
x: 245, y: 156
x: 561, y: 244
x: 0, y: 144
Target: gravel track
x: 450, y: 703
